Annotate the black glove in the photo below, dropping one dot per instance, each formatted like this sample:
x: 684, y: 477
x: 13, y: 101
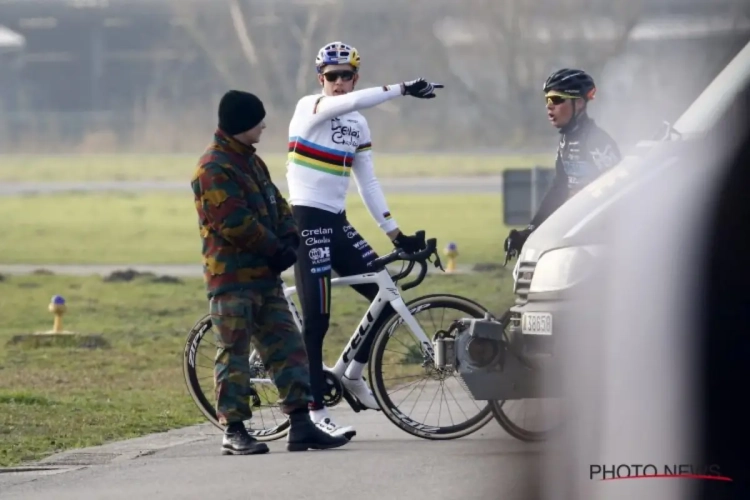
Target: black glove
x: 516, y: 239
x: 421, y: 89
x: 409, y: 244
x: 291, y: 240
x: 283, y: 259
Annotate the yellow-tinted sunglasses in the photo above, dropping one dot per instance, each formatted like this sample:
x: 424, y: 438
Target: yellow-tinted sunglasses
x: 558, y: 97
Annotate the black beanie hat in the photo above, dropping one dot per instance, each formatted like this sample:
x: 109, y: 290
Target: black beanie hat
x: 239, y: 112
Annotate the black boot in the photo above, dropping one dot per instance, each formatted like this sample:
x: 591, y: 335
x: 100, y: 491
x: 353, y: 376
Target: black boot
x: 237, y: 441
x: 304, y: 435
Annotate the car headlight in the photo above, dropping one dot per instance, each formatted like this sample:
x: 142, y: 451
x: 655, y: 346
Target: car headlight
x: 562, y: 268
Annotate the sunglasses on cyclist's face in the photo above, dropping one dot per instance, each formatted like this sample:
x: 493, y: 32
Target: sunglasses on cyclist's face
x: 332, y: 76
x: 557, y: 100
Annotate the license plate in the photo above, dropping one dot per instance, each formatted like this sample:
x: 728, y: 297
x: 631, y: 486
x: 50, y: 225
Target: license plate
x: 536, y: 324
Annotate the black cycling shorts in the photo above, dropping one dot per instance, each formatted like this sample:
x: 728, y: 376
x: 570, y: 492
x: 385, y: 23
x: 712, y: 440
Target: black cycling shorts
x: 328, y: 242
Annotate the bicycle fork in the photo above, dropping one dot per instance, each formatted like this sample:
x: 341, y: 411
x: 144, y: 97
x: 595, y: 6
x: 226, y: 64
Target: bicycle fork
x: 400, y: 307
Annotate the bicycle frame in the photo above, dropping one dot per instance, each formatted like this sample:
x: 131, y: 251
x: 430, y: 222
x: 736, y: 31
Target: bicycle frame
x: 388, y: 292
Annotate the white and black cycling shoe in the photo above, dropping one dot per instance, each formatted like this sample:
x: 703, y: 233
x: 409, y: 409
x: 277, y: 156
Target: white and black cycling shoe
x: 329, y: 426
x: 359, y: 388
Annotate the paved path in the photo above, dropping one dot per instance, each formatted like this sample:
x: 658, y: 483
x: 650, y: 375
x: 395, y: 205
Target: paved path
x: 422, y: 185
x: 178, y: 270
x: 380, y: 462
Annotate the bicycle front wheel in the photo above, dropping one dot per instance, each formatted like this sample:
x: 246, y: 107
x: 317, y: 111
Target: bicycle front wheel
x: 401, y: 372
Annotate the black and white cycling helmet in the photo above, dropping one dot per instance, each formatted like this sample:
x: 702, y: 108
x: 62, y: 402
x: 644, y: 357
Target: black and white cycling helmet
x: 570, y: 84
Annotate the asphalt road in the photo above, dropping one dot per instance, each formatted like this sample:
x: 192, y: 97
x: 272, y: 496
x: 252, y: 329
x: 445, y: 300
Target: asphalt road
x: 380, y: 462
x: 424, y: 185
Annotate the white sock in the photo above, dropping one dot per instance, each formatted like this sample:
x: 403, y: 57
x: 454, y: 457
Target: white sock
x: 318, y: 415
x: 355, y: 370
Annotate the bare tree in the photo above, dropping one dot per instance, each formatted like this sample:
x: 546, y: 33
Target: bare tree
x: 500, y: 52
x: 259, y: 43
x: 492, y: 55
x: 194, y: 24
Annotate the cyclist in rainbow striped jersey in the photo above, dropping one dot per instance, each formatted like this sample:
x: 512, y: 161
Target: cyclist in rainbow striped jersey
x: 329, y: 142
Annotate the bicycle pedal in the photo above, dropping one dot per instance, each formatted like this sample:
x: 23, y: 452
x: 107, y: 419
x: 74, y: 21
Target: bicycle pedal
x: 354, y: 403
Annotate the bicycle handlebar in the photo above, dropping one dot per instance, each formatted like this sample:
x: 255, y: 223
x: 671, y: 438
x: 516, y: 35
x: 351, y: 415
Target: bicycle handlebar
x: 404, y: 273
x: 420, y: 258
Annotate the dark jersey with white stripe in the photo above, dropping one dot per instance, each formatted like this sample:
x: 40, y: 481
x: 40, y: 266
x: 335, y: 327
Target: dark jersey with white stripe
x: 585, y: 151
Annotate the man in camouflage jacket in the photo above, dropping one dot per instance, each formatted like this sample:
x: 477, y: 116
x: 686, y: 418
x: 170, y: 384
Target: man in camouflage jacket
x: 249, y: 238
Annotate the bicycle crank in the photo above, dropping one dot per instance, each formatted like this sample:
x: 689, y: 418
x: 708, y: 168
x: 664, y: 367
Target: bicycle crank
x: 334, y: 389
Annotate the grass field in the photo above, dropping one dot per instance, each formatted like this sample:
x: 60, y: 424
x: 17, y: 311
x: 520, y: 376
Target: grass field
x: 162, y: 228
x: 180, y: 167
x: 63, y: 397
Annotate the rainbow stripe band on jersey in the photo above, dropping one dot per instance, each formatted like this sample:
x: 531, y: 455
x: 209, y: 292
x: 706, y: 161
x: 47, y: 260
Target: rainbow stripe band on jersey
x: 310, y: 155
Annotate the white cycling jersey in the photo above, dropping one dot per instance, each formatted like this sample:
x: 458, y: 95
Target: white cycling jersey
x: 328, y: 140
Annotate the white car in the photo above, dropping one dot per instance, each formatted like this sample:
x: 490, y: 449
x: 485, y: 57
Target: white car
x: 567, y: 247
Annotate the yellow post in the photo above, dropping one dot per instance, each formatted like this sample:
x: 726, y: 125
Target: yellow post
x: 57, y: 307
x: 451, y: 251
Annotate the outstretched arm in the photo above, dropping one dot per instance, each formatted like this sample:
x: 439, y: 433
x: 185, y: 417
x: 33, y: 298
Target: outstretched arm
x: 369, y: 187
x: 328, y: 107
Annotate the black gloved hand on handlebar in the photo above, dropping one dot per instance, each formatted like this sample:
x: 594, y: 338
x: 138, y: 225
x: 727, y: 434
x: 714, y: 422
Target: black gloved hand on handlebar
x: 516, y: 239
x: 410, y: 244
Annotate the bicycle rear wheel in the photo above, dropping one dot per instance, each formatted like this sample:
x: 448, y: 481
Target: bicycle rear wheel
x: 198, y: 372
x: 414, y: 370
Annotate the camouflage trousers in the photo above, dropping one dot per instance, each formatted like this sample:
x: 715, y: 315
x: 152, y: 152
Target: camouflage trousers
x: 263, y: 318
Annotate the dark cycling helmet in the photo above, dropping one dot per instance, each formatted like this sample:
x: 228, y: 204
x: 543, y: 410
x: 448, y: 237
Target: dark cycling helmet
x: 570, y: 83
